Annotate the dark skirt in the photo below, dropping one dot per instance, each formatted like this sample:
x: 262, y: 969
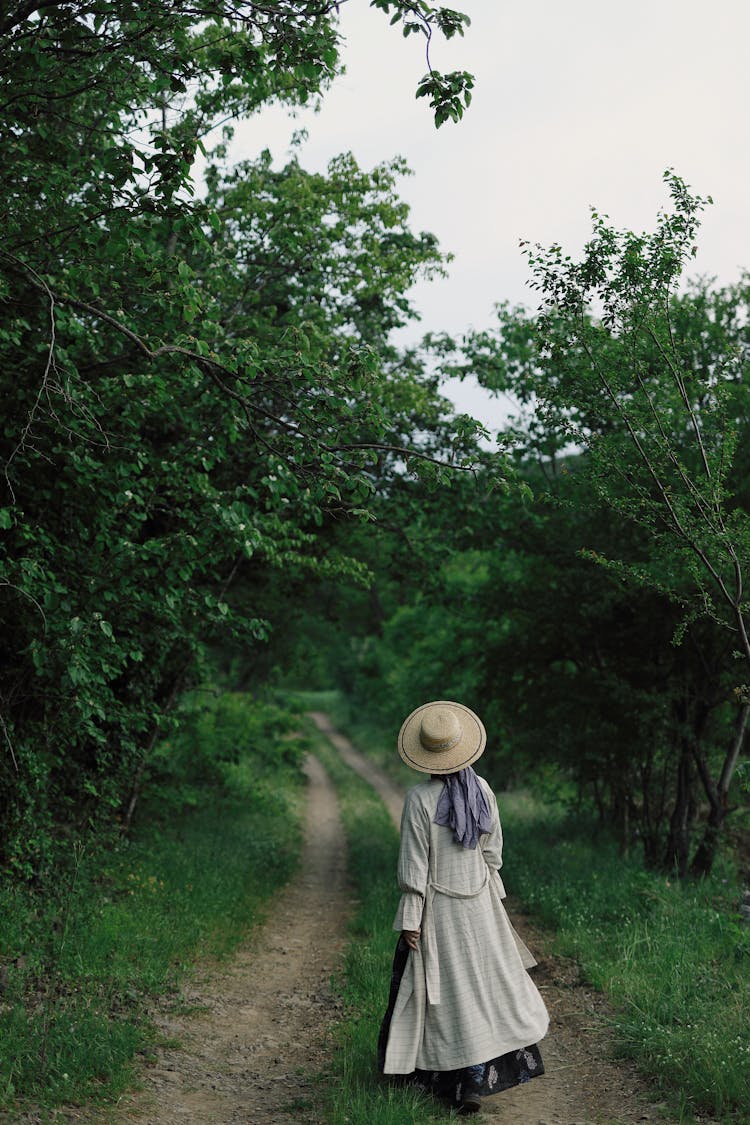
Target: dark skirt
x: 489, y: 1077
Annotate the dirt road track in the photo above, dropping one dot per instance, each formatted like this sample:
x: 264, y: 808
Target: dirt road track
x: 256, y: 1036
x: 253, y: 1033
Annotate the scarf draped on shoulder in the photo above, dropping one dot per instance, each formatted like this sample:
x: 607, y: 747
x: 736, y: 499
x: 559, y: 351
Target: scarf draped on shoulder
x: 463, y: 807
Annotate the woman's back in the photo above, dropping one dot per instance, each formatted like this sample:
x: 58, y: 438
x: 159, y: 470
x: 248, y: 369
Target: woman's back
x: 430, y: 852
x: 463, y: 1014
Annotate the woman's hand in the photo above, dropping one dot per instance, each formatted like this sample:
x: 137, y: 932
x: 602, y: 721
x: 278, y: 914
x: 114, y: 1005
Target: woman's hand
x: 411, y: 937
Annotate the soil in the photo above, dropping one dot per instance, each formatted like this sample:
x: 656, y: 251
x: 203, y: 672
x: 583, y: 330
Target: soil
x: 252, y: 1036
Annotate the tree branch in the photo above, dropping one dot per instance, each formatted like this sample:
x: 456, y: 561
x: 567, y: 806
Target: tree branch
x: 217, y: 371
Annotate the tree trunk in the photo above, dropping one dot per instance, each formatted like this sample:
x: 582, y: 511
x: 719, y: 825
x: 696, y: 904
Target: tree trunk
x: 677, y: 851
x: 649, y: 825
x: 621, y: 818
x: 376, y: 610
x: 705, y: 854
x: 135, y: 789
x: 601, y: 810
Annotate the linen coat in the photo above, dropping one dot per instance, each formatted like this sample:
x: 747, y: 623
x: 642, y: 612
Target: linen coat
x: 465, y: 996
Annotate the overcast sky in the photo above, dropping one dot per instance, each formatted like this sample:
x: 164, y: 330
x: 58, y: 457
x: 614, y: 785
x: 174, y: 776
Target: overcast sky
x: 576, y: 103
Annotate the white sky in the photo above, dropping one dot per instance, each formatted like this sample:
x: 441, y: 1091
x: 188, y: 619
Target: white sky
x: 576, y: 103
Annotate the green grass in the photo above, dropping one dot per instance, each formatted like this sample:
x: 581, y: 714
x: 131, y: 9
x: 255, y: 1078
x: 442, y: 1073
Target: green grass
x: 83, y: 958
x: 355, y: 1091
x: 363, y: 731
x: 673, y: 958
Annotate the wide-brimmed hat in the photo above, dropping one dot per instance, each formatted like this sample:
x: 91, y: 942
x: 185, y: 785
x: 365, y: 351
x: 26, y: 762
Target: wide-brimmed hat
x: 441, y: 737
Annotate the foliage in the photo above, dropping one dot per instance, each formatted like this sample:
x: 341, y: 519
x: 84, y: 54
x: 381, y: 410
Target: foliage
x: 192, y: 385
x: 495, y: 597
x: 638, y: 393
x: 658, y: 421
x: 661, y: 430
x: 220, y: 738
x: 82, y: 961
x: 584, y: 695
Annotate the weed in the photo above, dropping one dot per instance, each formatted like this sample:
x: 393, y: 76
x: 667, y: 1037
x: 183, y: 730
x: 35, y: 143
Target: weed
x: 83, y: 957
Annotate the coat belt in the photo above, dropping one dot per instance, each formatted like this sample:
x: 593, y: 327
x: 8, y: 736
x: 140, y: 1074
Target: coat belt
x: 429, y: 939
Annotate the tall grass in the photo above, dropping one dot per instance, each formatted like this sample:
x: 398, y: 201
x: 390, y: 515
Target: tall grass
x: 674, y: 957
x: 82, y: 959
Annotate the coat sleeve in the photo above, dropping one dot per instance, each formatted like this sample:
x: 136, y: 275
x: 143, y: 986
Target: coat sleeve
x: 492, y: 842
x: 413, y: 864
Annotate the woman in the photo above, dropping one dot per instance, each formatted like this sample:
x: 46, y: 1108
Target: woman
x: 463, y: 1017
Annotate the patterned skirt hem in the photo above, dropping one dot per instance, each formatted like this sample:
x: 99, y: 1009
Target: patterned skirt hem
x: 484, y: 1078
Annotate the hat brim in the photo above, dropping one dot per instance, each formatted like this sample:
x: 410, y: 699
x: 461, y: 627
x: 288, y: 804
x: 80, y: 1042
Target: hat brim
x: 466, y: 751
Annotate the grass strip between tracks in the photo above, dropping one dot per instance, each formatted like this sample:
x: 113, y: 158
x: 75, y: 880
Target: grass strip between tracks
x: 674, y: 958
x: 355, y: 1092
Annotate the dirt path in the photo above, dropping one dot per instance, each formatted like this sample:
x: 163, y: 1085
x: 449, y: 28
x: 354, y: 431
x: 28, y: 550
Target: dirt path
x: 252, y: 1038
x: 581, y: 1086
x: 392, y: 796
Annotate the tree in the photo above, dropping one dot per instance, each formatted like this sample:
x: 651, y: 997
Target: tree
x: 190, y: 384
x: 652, y: 385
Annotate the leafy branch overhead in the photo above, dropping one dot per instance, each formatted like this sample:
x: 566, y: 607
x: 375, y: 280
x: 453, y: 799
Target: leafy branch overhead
x: 449, y: 94
x: 196, y: 386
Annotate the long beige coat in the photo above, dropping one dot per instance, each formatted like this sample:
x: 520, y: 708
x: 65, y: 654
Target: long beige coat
x: 465, y: 996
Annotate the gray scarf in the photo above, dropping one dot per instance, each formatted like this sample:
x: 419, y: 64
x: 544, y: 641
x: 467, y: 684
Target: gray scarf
x: 463, y: 806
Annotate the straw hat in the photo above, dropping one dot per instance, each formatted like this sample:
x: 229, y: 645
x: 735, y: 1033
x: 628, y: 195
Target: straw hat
x: 441, y: 737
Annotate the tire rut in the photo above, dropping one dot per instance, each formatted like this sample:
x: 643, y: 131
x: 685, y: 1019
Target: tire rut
x: 255, y: 1041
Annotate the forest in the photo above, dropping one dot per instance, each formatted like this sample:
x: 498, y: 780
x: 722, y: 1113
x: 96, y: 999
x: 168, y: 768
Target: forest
x: 220, y: 473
